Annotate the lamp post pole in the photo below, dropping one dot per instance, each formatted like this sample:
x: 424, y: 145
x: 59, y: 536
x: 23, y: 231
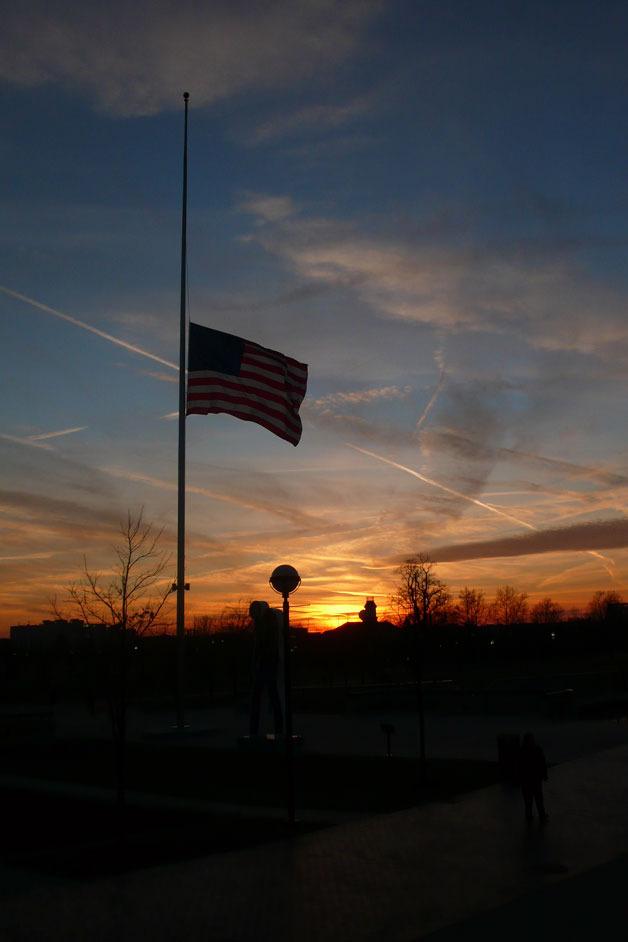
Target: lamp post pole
x: 285, y: 579
x: 288, y: 706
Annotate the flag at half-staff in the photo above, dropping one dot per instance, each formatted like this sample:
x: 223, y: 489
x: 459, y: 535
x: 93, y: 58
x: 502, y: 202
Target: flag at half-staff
x: 243, y: 379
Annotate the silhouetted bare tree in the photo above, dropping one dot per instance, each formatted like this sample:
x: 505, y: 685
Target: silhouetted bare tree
x: 472, y: 605
x: 233, y: 618
x: 597, y: 609
x: 129, y: 603
x: 421, y: 594
x: 509, y: 606
x: 546, y: 612
x: 424, y: 597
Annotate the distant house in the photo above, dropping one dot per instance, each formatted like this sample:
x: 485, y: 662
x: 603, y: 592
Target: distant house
x: 368, y: 624
x: 617, y: 612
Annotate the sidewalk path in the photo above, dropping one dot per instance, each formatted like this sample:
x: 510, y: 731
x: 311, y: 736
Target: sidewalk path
x: 461, y: 736
x: 387, y: 878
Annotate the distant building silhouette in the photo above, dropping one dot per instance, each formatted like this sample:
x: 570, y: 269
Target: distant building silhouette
x: 617, y: 611
x: 369, y: 622
x: 50, y: 634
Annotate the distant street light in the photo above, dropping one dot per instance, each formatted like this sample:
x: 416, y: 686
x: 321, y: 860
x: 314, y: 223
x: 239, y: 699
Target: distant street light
x: 284, y: 580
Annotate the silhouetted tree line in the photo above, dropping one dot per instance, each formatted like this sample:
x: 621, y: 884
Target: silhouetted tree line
x: 426, y: 600
x: 102, y: 650
x: 231, y: 619
x: 447, y: 633
x: 218, y: 665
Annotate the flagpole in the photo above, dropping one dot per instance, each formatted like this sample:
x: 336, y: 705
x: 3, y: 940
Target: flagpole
x: 182, y: 410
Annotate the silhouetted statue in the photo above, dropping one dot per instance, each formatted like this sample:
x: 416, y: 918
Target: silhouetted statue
x: 368, y: 615
x: 532, y: 774
x: 267, y: 630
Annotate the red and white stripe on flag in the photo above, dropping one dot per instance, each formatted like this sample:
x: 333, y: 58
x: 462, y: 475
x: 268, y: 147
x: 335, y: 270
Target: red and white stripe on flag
x: 267, y: 388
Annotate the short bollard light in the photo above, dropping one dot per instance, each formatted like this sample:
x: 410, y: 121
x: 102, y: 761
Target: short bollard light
x: 388, y: 729
x: 284, y: 580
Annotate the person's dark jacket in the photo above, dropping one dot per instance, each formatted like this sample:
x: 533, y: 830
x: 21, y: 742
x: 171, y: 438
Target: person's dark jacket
x: 532, y: 765
x: 266, y: 652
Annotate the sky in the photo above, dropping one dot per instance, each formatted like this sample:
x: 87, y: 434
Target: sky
x: 427, y: 202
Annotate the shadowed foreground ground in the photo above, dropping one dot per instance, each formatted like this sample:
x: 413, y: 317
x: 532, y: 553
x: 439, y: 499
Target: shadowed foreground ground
x: 468, y: 865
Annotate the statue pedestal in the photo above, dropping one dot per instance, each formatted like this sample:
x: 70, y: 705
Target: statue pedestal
x: 269, y: 742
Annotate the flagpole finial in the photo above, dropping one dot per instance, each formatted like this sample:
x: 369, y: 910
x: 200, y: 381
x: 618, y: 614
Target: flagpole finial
x: 186, y: 96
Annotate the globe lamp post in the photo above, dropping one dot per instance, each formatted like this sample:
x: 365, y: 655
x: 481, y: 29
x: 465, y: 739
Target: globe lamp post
x: 285, y: 580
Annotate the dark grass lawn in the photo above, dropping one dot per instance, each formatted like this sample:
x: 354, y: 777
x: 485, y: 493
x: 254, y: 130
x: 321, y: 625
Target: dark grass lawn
x: 82, y: 839
x: 249, y: 778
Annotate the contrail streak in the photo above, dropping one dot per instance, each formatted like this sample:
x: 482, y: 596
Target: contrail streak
x: 39, y: 441
x: 606, y: 562
x: 93, y: 330
x: 6, y: 559
x: 25, y: 441
x: 443, y: 487
x: 430, y: 405
x: 251, y: 503
x: 63, y: 431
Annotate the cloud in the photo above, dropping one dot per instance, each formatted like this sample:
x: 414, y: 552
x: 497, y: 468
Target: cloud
x: 454, y: 443
x: 268, y: 208
x: 344, y: 424
x: 40, y: 513
x: 249, y: 500
x: 538, y: 292
x: 474, y: 486
x: 581, y: 537
x: 136, y: 59
x: 301, y: 292
x: 475, y: 406
x: 361, y: 396
x: 312, y: 117
x: 453, y: 492
x: 329, y: 150
x: 49, y: 471
x: 162, y: 377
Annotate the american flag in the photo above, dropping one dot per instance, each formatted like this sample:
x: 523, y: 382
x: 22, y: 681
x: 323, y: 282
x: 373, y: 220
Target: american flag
x: 241, y: 378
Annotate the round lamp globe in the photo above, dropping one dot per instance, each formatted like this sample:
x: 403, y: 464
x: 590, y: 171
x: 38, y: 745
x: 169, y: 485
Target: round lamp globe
x: 285, y: 579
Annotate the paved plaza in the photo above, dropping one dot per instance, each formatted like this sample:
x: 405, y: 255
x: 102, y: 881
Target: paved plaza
x: 459, y: 870
x: 456, y: 735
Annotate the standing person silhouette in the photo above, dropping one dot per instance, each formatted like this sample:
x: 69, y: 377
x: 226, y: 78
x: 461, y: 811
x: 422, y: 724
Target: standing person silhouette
x: 267, y: 635
x: 532, y: 774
